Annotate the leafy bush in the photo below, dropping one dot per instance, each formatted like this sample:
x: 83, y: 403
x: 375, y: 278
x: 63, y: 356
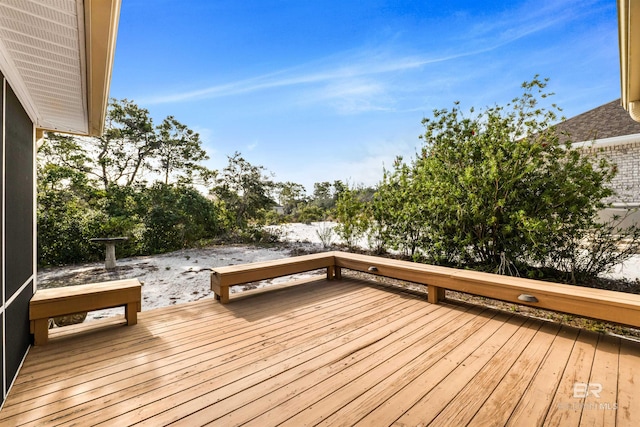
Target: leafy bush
x: 399, y: 220
x: 499, y: 189
x: 64, y: 228
x: 310, y: 213
x: 176, y: 217
x: 158, y: 219
x: 603, y: 247
x: 352, y: 215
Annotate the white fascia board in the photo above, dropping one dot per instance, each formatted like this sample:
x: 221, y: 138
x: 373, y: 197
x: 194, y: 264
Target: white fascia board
x: 629, y: 46
x: 82, y: 43
x: 608, y: 142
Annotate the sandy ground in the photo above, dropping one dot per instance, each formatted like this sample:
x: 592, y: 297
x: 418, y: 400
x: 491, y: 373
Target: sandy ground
x: 167, y: 279
x: 183, y: 276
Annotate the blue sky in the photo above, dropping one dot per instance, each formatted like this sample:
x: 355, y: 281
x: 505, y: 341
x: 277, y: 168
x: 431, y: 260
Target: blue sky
x: 321, y: 90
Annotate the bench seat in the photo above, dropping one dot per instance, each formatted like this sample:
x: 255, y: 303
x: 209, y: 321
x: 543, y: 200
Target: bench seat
x: 611, y: 306
x: 224, y: 277
x: 48, y: 303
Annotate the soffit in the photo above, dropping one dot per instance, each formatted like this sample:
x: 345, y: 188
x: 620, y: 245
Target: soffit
x: 57, y: 55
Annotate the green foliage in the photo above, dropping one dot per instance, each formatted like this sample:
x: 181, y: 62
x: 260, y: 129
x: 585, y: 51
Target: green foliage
x: 66, y: 217
x: 245, y: 190
x: 310, y: 213
x: 498, y: 189
x: 325, y: 194
x: 605, y: 245
x: 126, y: 149
x: 176, y: 217
x: 130, y: 149
x: 495, y: 190
x: 138, y: 181
x: 353, y: 216
x: 398, y: 212
x: 179, y: 152
x: 65, y: 225
x: 290, y: 195
x: 322, y: 196
x: 94, y: 187
x: 271, y: 217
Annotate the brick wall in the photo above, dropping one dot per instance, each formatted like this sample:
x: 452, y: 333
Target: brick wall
x: 626, y: 156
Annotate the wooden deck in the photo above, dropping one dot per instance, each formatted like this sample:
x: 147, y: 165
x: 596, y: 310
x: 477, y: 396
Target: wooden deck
x: 341, y: 352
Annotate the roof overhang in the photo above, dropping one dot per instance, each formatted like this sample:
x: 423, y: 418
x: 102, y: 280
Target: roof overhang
x: 57, y: 57
x: 629, y: 39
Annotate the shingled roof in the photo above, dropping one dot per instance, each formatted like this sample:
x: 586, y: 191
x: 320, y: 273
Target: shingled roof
x: 606, y: 121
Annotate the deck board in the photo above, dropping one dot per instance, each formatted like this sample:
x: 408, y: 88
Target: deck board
x: 628, y: 411
x: 498, y: 407
x: 343, y: 352
x: 578, y: 369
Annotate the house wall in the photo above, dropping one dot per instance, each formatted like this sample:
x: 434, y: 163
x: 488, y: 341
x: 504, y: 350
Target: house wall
x: 17, y: 235
x: 626, y: 157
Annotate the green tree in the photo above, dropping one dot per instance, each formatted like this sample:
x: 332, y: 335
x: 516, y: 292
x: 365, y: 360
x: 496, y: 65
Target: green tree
x: 322, y: 196
x: 499, y: 188
x: 179, y: 151
x: 353, y: 216
x: 126, y: 149
x: 397, y: 211
x: 95, y: 187
x: 244, y: 189
x: 290, y: 195
x: 66, y: 213
x: 309, y: 213
x: 63, y: 161
x: 175, y: 217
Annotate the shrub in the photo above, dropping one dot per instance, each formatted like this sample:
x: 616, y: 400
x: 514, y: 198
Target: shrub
x: 325, y: 234
x: 309, y: 213
x: 353, y: 217
x: 499, y: 189
x: 397, y: 212
x: 176, y: 217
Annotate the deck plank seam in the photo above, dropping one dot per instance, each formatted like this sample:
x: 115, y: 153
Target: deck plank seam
x: 132, y: 335
x: 297, y: 378
x: 490, y: 364
x: 84, y: 355
x: 192, y: 385
x: 213, y: 342
x: 433, y: 343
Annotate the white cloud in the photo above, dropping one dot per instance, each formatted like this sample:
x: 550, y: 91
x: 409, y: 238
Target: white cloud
x: 334, y: 70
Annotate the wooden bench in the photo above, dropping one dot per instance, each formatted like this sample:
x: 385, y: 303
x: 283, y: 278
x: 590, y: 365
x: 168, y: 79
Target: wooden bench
x: 611, y: 306
x: 222, y: 278
x: 48, y: 303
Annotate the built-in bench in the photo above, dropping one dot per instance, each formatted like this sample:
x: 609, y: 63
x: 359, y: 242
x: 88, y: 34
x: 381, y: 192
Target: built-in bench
x: 618, y: 307
x: 222, y: 278
x: 48, y: 303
